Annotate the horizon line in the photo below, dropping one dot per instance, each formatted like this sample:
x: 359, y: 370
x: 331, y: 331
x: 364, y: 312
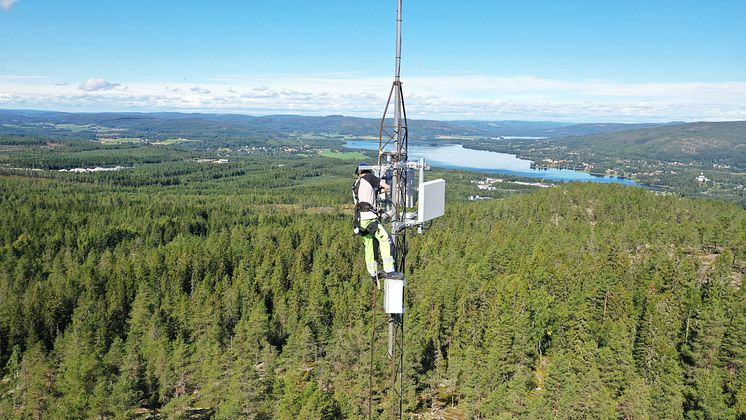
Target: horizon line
x: 281, y: 114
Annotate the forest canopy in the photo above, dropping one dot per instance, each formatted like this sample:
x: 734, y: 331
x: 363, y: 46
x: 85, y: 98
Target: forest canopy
x: 237, y: 290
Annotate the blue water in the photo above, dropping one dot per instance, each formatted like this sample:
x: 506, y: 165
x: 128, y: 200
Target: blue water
x: 456, y: 156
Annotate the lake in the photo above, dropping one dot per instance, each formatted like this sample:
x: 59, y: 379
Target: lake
x: 456, y: 156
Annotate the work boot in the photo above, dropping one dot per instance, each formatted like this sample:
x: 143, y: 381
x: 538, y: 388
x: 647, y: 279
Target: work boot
x: 394, y: 275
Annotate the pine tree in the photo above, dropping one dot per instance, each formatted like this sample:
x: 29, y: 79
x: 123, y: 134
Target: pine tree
x: 35, y: 383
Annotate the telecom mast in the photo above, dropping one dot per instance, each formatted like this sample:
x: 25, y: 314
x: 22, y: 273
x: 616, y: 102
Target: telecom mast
x: 397, y: 208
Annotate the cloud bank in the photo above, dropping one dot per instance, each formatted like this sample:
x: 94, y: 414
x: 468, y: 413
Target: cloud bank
x: 93, y: 85
x: 454, y: 96
x: 7, y: 4
x: 200, y: 89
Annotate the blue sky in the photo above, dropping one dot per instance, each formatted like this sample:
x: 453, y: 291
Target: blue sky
x: 571, y: 60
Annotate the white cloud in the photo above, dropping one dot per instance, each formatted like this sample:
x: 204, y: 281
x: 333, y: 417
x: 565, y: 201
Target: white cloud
x: 7, y: 4
x: 456, y: 96
x: 92, y: 85
x: 200, y: 89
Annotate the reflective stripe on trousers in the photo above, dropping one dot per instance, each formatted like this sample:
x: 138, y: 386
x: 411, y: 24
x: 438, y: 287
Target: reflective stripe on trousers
x: 383, y: 245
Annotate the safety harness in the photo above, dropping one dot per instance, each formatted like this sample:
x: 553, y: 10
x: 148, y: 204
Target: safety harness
x: 362, y: 207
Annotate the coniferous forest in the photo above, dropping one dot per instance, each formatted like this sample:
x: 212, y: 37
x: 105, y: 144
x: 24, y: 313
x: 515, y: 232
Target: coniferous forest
x: 177, y: 289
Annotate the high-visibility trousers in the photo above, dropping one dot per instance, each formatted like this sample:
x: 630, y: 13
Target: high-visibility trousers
x: 384, y: 246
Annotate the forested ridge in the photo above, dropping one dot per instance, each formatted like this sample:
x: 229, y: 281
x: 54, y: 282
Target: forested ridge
x: 238, y: 291
x: 257, y: 129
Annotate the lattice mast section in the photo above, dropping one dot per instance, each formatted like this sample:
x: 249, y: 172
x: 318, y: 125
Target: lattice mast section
x: 397, y: 209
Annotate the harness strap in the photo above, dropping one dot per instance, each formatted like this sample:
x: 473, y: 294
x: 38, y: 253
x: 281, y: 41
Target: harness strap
x: 359, y: 208
x: 365, y: 207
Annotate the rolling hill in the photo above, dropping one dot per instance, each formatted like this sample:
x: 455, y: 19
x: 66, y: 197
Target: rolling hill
x: 705, y: 142
x: 162, y: 125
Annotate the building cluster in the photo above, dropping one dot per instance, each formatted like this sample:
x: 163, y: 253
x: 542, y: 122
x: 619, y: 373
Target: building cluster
x: 254, y: 149
x: 96, y: 169
x: 218, y: 161
x: 486, y: 184
x: 478, y: 197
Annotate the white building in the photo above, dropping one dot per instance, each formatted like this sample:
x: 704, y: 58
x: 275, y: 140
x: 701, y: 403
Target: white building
x: 477, y: 197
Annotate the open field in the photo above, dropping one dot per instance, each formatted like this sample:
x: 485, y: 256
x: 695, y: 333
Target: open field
x: 74, y: 127
x: 122, y: 140
x: 170, y: 142
x: 342, y: 155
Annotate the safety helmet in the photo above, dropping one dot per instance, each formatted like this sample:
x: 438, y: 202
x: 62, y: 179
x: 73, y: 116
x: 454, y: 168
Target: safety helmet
x: 363, y: 167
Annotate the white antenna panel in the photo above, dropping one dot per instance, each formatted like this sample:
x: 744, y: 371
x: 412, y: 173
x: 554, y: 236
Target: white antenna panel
x: 431, y: 202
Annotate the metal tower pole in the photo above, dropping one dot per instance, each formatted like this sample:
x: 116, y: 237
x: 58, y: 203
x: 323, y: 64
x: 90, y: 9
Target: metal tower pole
x: 392, y: 163
x: 393, y: 140
x: 399, y: 174
x: 398, y: 97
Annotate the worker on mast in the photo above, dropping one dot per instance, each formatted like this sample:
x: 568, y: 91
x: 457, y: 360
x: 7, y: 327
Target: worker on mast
x: 368, y: 225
